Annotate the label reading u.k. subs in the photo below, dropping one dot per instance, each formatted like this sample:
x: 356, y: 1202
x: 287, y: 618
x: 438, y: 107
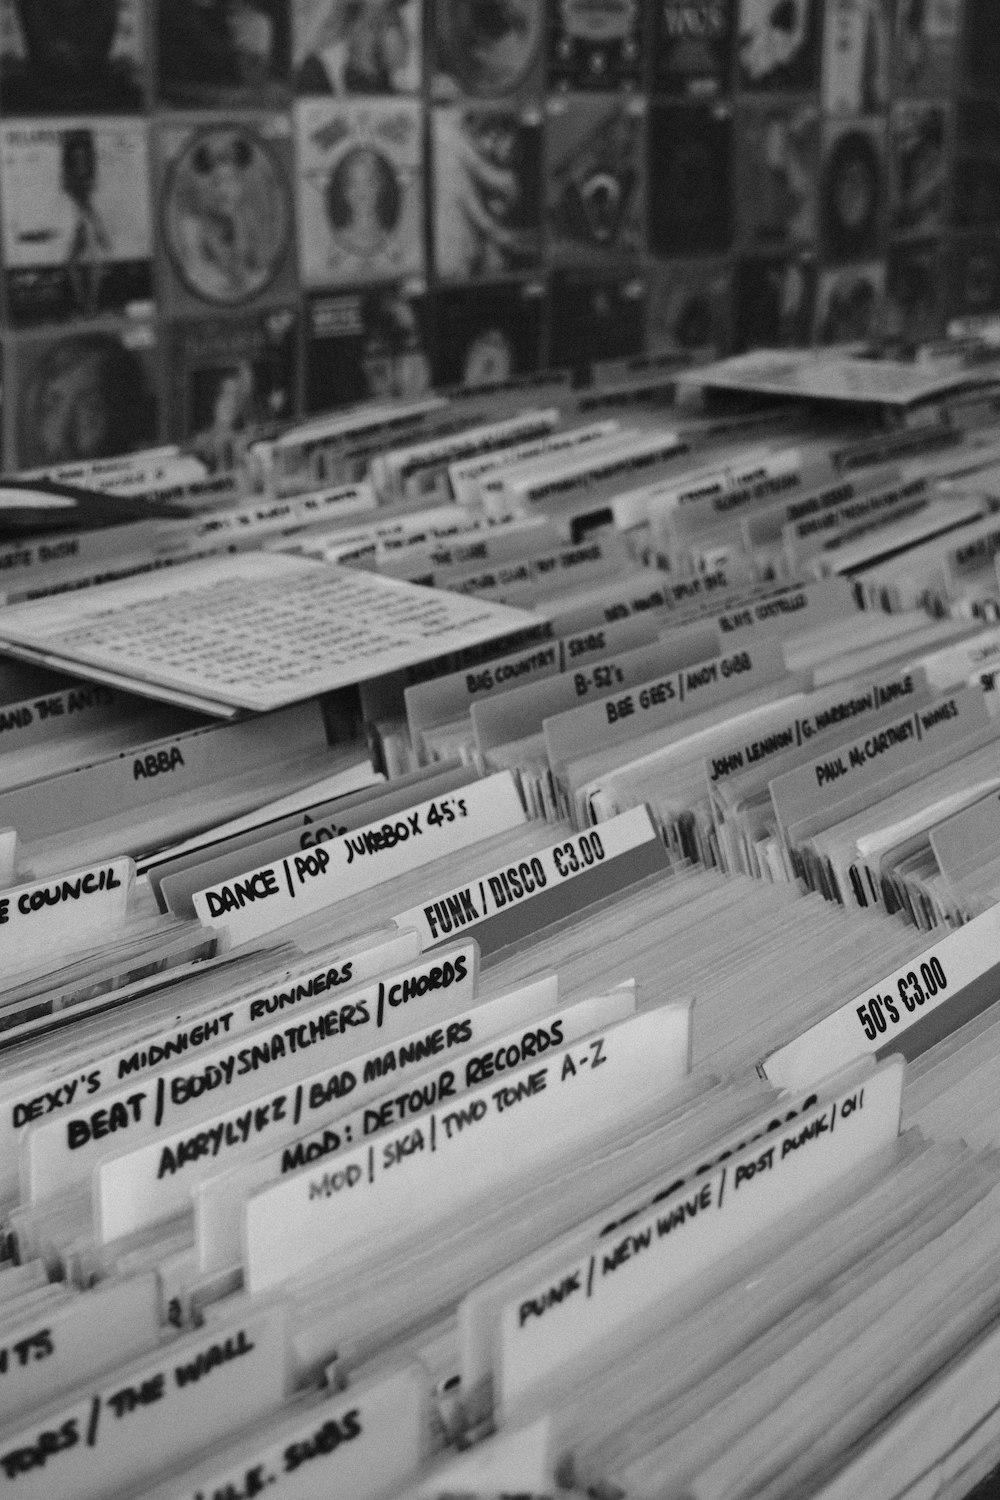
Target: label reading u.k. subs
x: 547, y: 1327
x: 321, y: 1113
x: 465, y: 907
x: 407, y: 1180
x: 876, y: 1019
x: 265, y: 899
x: 219, y: 1200
x: 59, y: 1152
x: 363, y: 1442
x: 140, y: 1418
x: 47, y: 919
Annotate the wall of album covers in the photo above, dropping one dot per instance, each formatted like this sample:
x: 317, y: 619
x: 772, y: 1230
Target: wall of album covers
x: 221, y: 211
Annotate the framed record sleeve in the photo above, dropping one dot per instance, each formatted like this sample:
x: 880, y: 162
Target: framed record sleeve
x: 223, y: 54
x: 366, y: 343
x: 853, y: 190
x: 850, y: 304
x: 486, y: 335
x: 595, y: 314
x: 225, y: 212
x: 58, y: 56
x: 343, y: 47
x: 777, y: 165
x: 359, y: 190
x: 857, y: 48
x: 692, y: 47
x: 778, y: 45
x: 689, y: 308
x: 691, y: 212
x: 919, y: 141
x: 77, y: 228
x: 595, y: 44
x: 774, y: 302
x: 486, y: 198
x: 595, y: 176
x: 489, y: 49
x: 915, y: 293
x: 228, y: 376
x: 926, y: 42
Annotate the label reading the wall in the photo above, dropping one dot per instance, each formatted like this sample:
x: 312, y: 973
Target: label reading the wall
x: 277, y: 894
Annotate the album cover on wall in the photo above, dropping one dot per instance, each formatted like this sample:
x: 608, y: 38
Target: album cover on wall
x: 915, y: 293
x: 918, y: 162
x: 925, y: 45
x: 81, y: 392
x: 595, y: 44
x: 223, y: 53
x: 777, y: 165
x: 357, y: 46
x: 594, y: 315
x: 852, y: 189
x: 972, y: 275
x: 594, y: 176
x: 359, y: 190
x: 850, y: 304
x: 229, y: 375
x: 224, y: 212
x: 778, y: 45
x: 691, y: 211
x: 688, y: 308
x: 58, y: 56
x: 488, y: 334
x: 774, y: 302
x: 489, y: 49
x: 486, y: 195
x: 77, y: 231
x: 366, y: 343
x: 692, y: 47
x: 857, y: 55
x: 976, y: 176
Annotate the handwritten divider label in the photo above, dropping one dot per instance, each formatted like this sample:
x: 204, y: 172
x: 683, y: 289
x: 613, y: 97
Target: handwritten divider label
x: 40, y: 1094
x: 510, y: 886
x: 857, y: 765
x: 363, y: 1442
x: 678, y: 695
x: 936, y: 983
x: 277, y: 894
x: 149, y: 1184
x: 219, y: 1198
x: 46, y: 919
x: 540, y: 1333
x: 121, y: 1429
x: 405, y: 1181
x: 57, y: 1153
x: 444, y: 700
x: 47, y: 1351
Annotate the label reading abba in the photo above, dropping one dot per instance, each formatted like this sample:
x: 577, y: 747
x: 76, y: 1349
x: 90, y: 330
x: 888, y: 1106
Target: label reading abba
x: 150, y: 1414
x: 873, y: 1020
x: 511, y: 885
x: 62, y: 1151
x: 408, y: 1179
x: 51, y: 917
x: 548, y: 1326
x: 281, y: 893
x: 366, y: 1441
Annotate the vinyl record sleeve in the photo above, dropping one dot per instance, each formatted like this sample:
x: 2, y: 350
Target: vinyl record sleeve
x: 972, y: 275
x: 852, y: 190
x: 486, y: 197
x: 357, y: 47
x: 223, y: 53
x: 359, y: 189
x: 595, y: 44
x: 488, y: 334
x: 857, y: 48
x: 850, y: 304
x: 227, y: 375
x: 692, y: 47
x: 596, y: 315
x: 595, y: 176
x: 77, y: 226
x: 915, y: 293
x: 774, y: 301
x: 88, y: 391
x: 57, y: 57
x: 691, y: 211
x: 926, y: 41
x: 688, y: 308
x: 977, y: 163
x: 364, y: 344
x: 777, y: 165
x: 489, y: 49
x: 778, y: 45
x: 918, y: 164
x: 225, y: 219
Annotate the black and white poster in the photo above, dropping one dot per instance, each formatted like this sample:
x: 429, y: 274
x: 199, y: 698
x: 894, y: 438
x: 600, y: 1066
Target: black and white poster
x: 77, y: 229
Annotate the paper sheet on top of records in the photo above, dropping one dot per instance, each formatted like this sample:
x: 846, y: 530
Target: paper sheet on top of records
x: 252, y: 632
